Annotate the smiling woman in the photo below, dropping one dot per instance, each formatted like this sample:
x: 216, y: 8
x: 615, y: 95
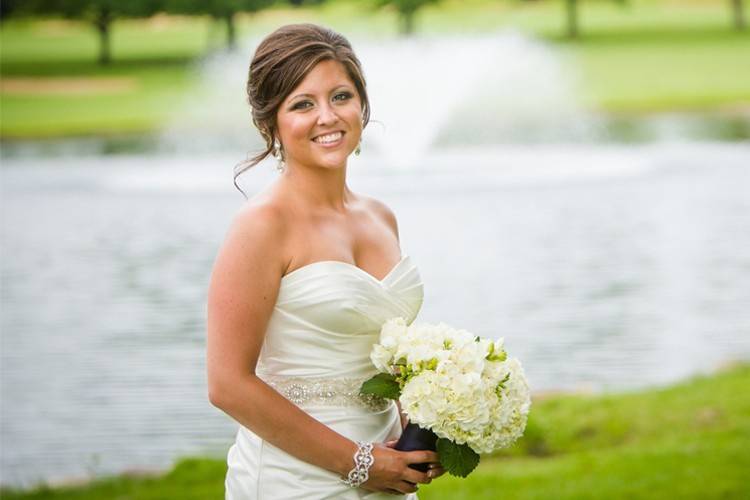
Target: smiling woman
x: 296, y: 299
x: 300, y: 68
x: 328, y: 136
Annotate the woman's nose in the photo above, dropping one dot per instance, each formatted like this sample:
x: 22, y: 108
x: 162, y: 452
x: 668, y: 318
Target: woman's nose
x: 327, y: 115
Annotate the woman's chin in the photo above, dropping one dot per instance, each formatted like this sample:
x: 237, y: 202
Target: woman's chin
x: 333, y: 162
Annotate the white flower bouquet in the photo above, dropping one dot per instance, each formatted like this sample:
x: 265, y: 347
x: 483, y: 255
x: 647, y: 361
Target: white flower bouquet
x: 461, y: 393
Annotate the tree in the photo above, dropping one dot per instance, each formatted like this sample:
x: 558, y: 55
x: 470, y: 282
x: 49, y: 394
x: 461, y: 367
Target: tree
x: 224, y: 11
x: 300, y: 3
x: 571, y: 16
x: 100, y: 13
x: 738, y: 14
x: 407, y: 10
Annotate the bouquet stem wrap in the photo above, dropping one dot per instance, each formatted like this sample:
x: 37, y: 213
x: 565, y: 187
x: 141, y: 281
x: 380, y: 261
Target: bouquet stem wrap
x: 416, y: 438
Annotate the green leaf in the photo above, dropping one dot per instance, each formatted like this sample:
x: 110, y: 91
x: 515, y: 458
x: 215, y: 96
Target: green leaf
x: 458, y: 459
x: 383, y: 385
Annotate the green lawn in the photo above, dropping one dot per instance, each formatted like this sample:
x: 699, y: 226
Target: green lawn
x: 653, y: 55
x: 155, y: 62
x: 687, y: 441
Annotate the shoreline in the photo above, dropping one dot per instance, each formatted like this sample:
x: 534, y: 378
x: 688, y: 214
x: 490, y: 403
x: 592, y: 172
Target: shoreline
x: 739, y: 110
x: 542, y: 400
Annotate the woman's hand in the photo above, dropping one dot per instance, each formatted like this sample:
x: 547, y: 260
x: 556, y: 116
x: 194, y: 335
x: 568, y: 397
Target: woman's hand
x: 391, y: 473
x: 436, y: 468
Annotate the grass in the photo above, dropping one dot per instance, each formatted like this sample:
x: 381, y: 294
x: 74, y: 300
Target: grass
x: 158, y: 61
x: 191, y: 478
x: 654, y: 55
x: 666, y: 70
x: 690, y: 440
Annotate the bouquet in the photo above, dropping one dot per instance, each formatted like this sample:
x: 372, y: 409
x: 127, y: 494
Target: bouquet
x: 461, y: 393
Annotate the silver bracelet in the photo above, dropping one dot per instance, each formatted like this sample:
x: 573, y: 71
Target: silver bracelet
x: 363, y: 460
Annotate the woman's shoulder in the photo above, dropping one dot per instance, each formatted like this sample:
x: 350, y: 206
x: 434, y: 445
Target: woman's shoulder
x: 253, y: 246
x: 261, y: 211
x: 380, y: 211
x: 261, y: 220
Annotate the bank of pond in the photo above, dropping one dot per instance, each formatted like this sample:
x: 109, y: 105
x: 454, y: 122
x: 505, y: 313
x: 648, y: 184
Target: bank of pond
x: 687, y: 440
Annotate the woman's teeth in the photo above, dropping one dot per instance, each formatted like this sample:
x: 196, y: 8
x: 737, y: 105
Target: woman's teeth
x: 328, y: 138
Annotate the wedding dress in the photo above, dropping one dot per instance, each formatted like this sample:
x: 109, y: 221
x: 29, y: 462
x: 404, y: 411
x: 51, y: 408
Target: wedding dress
x: 316, y: 353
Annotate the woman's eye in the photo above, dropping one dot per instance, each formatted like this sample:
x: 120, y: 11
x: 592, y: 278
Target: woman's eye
x: 342, y: 96
x: 301, y: 105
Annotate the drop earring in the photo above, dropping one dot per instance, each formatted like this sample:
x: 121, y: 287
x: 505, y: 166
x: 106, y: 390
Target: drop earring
x: 277, y: 153
x: 359, y: 148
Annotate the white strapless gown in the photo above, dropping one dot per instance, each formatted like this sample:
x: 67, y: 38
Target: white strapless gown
x: 327, y: 316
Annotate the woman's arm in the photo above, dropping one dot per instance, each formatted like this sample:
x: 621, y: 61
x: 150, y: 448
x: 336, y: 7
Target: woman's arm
x: 244, y: 287
x: 242, y: 293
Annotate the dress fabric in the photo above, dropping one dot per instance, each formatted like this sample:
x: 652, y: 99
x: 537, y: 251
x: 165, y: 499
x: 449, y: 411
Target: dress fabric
x: 327, y: 316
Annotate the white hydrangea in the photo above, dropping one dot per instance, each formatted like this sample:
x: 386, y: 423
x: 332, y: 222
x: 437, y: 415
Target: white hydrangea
x: 460, y: 386
x: 390, y: 334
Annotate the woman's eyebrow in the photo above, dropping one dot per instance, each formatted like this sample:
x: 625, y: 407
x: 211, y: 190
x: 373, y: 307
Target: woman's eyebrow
x: 301, y: 95
x: 343, y: 85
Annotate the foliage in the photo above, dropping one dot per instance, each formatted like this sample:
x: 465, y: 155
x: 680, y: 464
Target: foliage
x: 458, y: 459
x: 383, y: 385
x: 222, y: 10
x: 407, y: 10
x: 738, y: 14
x: 100, y: 13
x: 572, y: 17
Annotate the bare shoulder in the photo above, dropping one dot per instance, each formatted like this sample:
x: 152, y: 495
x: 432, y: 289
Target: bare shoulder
x: 264, y: 214
x: 257, y: 233
x: 382, y: 212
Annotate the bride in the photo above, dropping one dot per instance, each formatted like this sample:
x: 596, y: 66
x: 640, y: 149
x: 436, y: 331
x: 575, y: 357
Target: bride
x: 307, y: 274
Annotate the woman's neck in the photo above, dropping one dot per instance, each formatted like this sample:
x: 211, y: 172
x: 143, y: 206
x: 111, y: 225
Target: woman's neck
x: 318, y: 188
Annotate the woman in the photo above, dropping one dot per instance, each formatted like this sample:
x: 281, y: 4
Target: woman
x: 308, y: 273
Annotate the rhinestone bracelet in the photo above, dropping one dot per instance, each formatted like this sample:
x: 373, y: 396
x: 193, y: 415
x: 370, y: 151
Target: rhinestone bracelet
x: 363, y: 460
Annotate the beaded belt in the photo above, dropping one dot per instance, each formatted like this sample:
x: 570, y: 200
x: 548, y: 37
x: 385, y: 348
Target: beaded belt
x: 327, y: 391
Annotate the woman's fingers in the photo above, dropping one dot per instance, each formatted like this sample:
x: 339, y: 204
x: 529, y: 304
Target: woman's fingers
x: 421, y: 456
x: 415, y: 476
x: 391, y: 443
x: 408, y: 487
x: 436, y: 472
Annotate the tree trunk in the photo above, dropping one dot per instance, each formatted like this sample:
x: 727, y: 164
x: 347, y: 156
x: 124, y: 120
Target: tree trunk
x: 231, y: 34
x: 572, y: 18
x: 738, y: 15
x: 213, y: 34
x: 102, y: 22
x: 407, y: 22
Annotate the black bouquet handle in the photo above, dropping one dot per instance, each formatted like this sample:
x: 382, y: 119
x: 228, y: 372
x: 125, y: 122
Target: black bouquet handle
x: 416, y: 438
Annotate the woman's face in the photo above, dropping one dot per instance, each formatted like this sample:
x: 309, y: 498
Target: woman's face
x: 320, y: 122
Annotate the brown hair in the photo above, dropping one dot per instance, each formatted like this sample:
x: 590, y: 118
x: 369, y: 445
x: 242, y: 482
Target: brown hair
x: 281, y: 62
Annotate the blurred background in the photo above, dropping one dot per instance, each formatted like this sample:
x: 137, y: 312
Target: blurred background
x: 571, y: 175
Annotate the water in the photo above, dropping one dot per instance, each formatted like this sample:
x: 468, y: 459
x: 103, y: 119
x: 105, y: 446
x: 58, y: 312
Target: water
x: 604, y: 269
x: 607, y: 260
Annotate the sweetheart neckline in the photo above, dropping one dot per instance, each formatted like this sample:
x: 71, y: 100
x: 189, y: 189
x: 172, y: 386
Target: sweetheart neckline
x: 349, y: 265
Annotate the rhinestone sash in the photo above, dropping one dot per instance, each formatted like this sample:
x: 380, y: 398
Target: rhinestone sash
x: 325, y: 391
